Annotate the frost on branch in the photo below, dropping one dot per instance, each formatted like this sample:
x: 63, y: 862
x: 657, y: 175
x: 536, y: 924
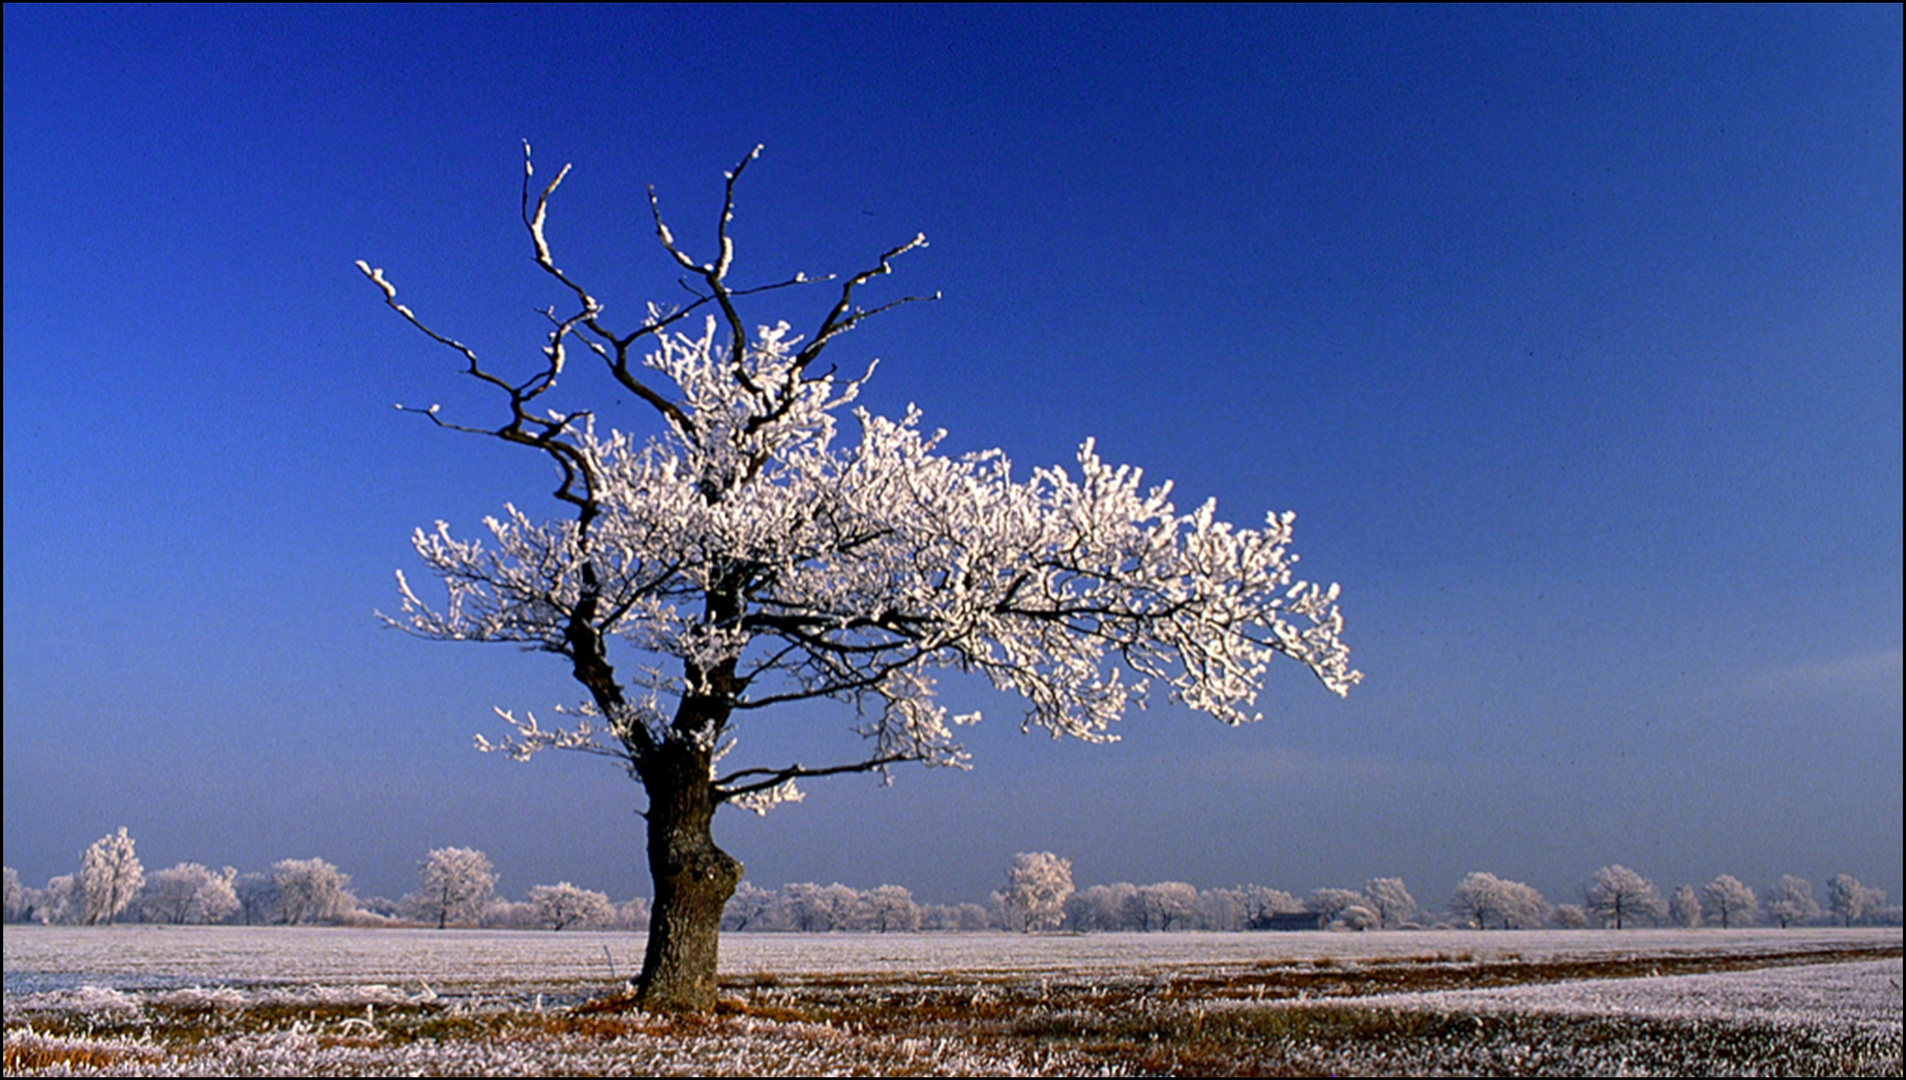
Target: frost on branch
x: 768, y: 542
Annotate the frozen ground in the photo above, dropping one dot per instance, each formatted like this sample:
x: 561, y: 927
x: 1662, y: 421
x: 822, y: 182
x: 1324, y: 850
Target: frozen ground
x: 232, y: 1001
x: 495, y: 961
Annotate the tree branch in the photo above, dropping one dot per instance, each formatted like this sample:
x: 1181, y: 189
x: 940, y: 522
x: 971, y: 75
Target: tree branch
x: 777, y: 777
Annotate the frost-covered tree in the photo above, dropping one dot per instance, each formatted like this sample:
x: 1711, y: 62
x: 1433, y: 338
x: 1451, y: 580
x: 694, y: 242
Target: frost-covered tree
x: 311, y: 890
x: 1037, y: 885
x: 749, y: 908
x: 750, y: 553
x: 1100, y: 907
x: 1569, y: 917
x: 109, y: 878
x: 1475, y: 898
x: 1522, y: 906
x: 257, y: 898
x: 61, y: 902
x: 1684, y: 907
x: 563, y: 904
x: 1482, y: 897
x: 892, y: 908
x: 457, y: 883
x: 1727, y: 900
x: 817, y: 908
x: 1219, y: 909
x: 1791, y: 901
x: 16, y: 895
x: 189, y: 893
x: 1261, y: 902
x: 1618, y: 894
x: 1357, y: 917
x: 1330, y: 903
x: 1849, y: 899
x: 1167, y: 905
x: 1390, y: 900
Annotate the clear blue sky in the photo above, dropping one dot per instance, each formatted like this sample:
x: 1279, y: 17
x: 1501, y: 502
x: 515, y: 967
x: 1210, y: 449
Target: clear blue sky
x: 1573, y: 337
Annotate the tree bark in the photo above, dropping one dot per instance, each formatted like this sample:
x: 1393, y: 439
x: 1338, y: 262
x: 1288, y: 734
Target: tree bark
x: 693, y: 881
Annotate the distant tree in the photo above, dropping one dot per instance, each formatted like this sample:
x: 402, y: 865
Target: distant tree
x: 1330, y: 903
x: 257, y: 898
x: 1570, y: 917
x: 632, y: 914
x: 1522, y: 906
x: 892, y: 909
x: 1219, y: 909
x: 1849, y: 899
x: 61, y: 902
x: 109, y: 877
x: 1261, y: 902
x: 1167, y: 905
x: 1791, y: 901
x: 1476, y: 898
x: 1618, y: 895
x: 1482, y: 897
x: 818, y: 909
x: 953, y: 917
x: 1727, y: 900
x: 189, y: 893
x: 748, y: 554
x: 1390, y: 900
x: 1357, y: 917
x: 1684, y: 907
x: 15, y: 895
x: 562, y: 905
x: 747, y: 907
x: 1101, y: 907
x: 1037, y: 885
x: 457, y: 884
x: 311, y: 890
x: 382, y: 909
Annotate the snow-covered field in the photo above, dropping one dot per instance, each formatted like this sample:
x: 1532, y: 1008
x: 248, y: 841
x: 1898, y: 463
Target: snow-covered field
x: 492, y: 961
x: 236, y: 1001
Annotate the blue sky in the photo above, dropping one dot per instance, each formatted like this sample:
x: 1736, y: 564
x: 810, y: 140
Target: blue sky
x: 1573, y: 337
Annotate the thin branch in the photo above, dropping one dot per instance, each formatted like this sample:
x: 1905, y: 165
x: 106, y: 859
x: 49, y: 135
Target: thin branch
x: 777, y: 777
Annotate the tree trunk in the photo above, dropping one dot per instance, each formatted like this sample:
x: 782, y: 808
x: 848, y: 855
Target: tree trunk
x: 693, y: 881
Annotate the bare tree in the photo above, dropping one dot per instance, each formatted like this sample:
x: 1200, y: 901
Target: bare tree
x: 457, y: 885
x: 1791, y: 901
x: 1726, y: 899
x: 747, y: 559
x: 109, y: 877
x: 1618, y: 894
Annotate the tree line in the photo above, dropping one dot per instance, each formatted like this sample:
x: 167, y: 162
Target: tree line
x: 457, y: 888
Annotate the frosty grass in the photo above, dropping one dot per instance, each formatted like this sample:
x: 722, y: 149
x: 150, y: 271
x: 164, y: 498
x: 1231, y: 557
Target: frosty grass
x: 148, y: 1000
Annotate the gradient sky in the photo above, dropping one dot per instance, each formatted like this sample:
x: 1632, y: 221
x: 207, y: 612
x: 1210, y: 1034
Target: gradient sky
x: 1573, y: 337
